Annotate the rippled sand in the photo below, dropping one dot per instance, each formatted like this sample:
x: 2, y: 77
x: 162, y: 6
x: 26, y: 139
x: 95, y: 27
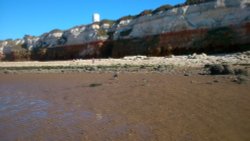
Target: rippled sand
x: 132, y: 106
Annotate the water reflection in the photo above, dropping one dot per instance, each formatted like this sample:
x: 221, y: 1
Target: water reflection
x: 11, y: 105
x: 24, y: 117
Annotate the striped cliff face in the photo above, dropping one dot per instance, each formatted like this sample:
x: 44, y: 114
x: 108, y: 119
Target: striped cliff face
x: 219, y: 40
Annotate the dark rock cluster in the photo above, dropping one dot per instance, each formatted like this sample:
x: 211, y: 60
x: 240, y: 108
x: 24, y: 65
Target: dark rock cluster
x: 220, y: 69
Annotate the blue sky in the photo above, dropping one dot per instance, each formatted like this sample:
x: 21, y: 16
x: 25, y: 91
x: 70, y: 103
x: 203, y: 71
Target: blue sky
x: 34, y: 17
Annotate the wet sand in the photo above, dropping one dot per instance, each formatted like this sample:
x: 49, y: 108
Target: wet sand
x: 131, y: 107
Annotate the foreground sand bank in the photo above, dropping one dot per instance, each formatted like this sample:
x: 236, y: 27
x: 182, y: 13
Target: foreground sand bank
x: 133, y: 106
x: 42, y: 103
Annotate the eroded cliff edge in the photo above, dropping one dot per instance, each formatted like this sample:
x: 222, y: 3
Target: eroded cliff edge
x: 217, y: 26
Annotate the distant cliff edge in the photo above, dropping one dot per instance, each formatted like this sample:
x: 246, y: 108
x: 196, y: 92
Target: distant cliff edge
x: 214, y: 26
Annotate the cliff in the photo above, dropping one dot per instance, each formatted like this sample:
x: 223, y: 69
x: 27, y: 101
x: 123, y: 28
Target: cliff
x: 211, y: 27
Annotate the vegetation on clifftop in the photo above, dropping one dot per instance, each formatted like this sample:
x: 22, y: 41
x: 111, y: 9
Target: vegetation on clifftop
x: 197, y: 1
x: 162, y: 8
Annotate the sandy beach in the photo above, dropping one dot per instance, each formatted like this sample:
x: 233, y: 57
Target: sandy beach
x: 131, y: 106
x: 135, y: 98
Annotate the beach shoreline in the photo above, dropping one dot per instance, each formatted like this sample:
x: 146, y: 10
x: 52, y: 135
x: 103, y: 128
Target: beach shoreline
x: 129, y: 64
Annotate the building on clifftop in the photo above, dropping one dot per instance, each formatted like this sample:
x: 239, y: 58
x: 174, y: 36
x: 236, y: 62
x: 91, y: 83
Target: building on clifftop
x: 96, y: 17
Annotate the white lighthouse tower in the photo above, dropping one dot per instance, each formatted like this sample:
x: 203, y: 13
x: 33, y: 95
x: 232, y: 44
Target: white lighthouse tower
x: 96, y: 17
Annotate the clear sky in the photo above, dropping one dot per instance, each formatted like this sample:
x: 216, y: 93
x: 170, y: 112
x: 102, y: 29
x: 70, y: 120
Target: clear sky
x: 34, y: 17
